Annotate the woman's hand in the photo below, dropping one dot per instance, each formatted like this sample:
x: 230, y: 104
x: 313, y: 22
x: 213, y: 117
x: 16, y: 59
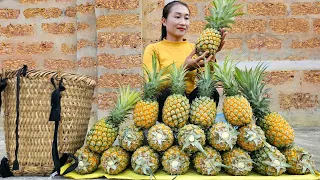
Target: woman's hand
x: 192, y: 64
x: 223, y: 36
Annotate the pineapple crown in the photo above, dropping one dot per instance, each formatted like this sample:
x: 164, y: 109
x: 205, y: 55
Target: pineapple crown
x: 252, y: 86
x: 127, y: 99
x: 223, y: 13
x: 177, y: 77
x: 206, y: 82
x: 153, y: 80
x: 225, y: 74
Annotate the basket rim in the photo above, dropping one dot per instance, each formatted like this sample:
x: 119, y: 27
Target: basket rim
x: 34, y: 73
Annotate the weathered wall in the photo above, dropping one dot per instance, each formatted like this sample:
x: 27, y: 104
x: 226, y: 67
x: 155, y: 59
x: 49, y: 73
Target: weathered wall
x: 105, y: 40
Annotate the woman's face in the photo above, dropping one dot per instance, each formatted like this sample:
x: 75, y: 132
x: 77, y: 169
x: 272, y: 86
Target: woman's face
x: 177, y: 22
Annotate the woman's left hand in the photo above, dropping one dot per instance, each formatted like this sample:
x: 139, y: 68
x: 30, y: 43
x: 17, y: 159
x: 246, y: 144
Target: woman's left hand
x: 223, y: 36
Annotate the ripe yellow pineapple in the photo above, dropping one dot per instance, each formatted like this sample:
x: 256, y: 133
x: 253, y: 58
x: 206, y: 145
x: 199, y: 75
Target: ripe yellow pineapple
x: 176, y: 107
x: 191, y: 138
x: 104, y: 132
x: 88, y: 161
x: 251, y: 137
x: 145, y: 161
x: 222, y: 15
x: 146, y: 111
x: 238, y: 161
x: 175, y: 161
x: 236, y: 108
x: 115, y: 160
x: 209, y: 164
x: 160, y: 137
x: 299, y: 159
x: 222, y: 136
x: 131, y: 137
x: 269, y: 161
x: 203, y: 109
x: 278, y: 131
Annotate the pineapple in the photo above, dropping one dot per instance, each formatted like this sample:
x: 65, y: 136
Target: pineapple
x: 203, y: 109
x: 88, y: 161
x: 115, y: 160
x: 145, y: 161
x: 160, y: 137
x: 191, y: 138
x: 238, y: 161
x: 209, y: 164
x: 223, y: 13
x: 175, y: 161
x: 131, y: 137
x: 222, y: 136
x: 251, y: 137
x: 146, y: 111
x: 269, y: 161
x: 277, y: 130
x: 300, y: 160
x: 236, y: 108
x: 104, y: 132
x: 176, y: 107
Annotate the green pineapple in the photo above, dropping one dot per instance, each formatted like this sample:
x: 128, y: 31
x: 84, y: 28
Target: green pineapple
x: 145, y: 161
x: 175, y: 161
x: 176, y: 107
x: 115, y: 160
x: 269, y: 161
x: 203, y: 109
x: 104, y: 132
x: 251, y: 137
x: 222, y: 136
x: 88, y: 161
x: 131, y: 137
x: 160, y: 137
x: 209, y: 163
x: 238, y: 162
x: 191, y: 138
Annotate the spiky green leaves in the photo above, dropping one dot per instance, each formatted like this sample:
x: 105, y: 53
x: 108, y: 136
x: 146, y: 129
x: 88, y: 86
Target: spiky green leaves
x: 223, y: 13
x: 154, y: 79
x: 251, y: 85
x: 206, y: 82
x: 225, y: 74
x: 177, y: 77
x: 127, y: 98
x: 191, y: 138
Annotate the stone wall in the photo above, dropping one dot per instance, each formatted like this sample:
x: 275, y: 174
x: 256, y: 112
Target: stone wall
x: 105, y: 40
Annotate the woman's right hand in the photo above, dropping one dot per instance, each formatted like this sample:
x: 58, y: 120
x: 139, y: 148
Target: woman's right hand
x: 192, y: 64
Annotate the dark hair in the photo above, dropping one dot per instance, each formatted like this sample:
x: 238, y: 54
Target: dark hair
x: 165, y: 13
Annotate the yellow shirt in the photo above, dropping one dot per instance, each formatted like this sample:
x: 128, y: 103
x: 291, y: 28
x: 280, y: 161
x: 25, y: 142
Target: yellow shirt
x: 169, y: 52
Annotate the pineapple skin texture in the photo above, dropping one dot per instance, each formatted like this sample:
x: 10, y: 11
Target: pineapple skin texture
x: 237, y: 110
x: 203, y: 112
x: 173, y: 153
x: 250, y: 145
x: 117, y: 153
x: 184, y: 133
x: 293, y: 155
x: 235, y: 156
x: 176, y: 111
x: 213, y: 137
x: 101, y: 136
x: 89, y: 159
x: 209, y: 40
x: 166, y: 133
x: 278, y: 131
x: 149, y: 154
x: 145, y: 114
x: 261, y: 155
x: 200, y: 160
x: 135, y: 143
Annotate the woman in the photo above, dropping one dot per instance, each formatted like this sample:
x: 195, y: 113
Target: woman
x: 173, y: 47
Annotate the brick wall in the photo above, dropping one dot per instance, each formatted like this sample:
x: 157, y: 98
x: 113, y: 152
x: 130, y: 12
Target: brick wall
x: 105, y: 40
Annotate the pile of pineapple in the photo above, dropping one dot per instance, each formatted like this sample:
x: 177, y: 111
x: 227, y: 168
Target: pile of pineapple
x: 189, y: 137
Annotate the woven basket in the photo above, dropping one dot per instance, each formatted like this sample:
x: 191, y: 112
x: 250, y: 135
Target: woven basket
x: 34, y: 129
